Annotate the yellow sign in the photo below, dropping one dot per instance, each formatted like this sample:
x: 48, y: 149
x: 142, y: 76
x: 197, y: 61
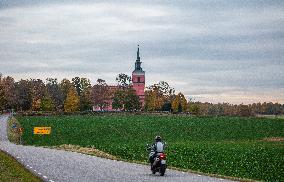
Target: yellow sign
x: 42, y: 130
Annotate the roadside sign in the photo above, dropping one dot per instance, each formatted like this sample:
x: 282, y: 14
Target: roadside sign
x: 14, y: 125
x: 42, y: 130
x: 21, y: 130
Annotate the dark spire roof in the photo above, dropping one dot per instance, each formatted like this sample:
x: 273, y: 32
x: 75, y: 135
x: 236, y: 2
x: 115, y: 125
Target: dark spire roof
x: 138, y: 62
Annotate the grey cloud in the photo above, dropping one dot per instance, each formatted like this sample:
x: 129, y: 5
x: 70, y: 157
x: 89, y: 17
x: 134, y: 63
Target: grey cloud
x: 199, y: 47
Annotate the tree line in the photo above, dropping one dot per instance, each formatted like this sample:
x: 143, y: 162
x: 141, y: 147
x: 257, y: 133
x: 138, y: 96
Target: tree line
x: 162, y: 97
x: 226, y: 109
x: 66, y: 95
x: 78, y: 94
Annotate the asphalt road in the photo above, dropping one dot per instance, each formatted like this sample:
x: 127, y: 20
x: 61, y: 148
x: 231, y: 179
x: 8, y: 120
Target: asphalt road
x: 57, y: 165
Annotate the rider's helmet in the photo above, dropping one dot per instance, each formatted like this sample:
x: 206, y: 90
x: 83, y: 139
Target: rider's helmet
x: 158, y: 138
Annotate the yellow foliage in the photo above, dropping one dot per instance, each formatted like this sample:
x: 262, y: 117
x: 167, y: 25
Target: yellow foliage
x: 175, y: 104
x: 72, y: 101
x: 154, y: 100
x: 179, y: 100
x: 36, y: 104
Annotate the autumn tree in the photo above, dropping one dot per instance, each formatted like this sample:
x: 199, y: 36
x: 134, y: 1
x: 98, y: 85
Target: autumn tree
x: 101, y: 94
x: 159, y: 97
x: 179, y: 103
x: 7, y: 93
x: 72, y: 100
x: 154, y: 99
x: 55, y: 93
x: 65, y: 85
x: 86, y: 94
x: 23, y: 95
x: 216, y: 109
x: 227, y: 109
x: 124, y: 97
x: 46, y: 103
x: 126, y: 100
x: 123, y: 80
x: 77, y: 84
x: 131, y: 100
x: 150, y: 100
x: 118, y: 100
x: 84, y: 90
x: 38, y: 91
x: 194, y: 108
x: 10, y: 92
x: 85, y: 83
x: 244, y: 110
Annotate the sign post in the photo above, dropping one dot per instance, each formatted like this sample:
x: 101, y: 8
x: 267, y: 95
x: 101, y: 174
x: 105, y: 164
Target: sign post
x: 21, y: 131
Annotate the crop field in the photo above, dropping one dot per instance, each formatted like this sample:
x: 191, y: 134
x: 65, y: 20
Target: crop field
x: 250, y: 148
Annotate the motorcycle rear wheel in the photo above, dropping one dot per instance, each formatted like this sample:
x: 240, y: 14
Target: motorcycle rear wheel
x: 153, y: 169
x: 162, y: 169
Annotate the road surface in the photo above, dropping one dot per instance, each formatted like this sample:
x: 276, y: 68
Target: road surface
x: 57, y: 165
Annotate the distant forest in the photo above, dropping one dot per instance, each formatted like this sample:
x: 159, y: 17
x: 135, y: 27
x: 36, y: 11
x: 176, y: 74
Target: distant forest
x: 78, y: 94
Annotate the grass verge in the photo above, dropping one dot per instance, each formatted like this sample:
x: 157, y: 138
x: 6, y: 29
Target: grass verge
x: 85, y: 150
x: 12, y: 170
x: 13, y: 131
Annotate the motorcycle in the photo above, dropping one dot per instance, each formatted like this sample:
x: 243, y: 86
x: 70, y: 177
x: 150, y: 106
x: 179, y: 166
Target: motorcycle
x: 159, y: 162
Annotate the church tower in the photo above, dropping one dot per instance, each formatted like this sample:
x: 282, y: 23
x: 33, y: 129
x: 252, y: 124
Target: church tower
x: 138, y: 79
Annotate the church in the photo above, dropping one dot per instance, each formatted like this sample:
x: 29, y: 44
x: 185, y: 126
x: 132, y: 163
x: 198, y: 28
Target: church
x: 138, y: 84
x: 138, y: 79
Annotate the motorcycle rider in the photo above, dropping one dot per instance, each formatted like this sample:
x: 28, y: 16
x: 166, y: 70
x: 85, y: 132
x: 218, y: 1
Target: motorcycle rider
x: 157, y: 147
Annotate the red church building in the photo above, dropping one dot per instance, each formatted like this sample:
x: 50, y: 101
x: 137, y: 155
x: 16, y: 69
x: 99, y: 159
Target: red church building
x: 138, y: 81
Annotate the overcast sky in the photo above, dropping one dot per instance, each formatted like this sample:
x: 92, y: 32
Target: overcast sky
x: 215, y: 51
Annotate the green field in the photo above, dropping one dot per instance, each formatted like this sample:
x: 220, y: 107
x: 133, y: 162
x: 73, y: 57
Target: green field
x: 228, y: 146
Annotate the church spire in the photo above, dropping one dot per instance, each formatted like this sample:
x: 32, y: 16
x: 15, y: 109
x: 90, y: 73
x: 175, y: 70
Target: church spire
x: 138, y: 62
x: 138, y: 56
